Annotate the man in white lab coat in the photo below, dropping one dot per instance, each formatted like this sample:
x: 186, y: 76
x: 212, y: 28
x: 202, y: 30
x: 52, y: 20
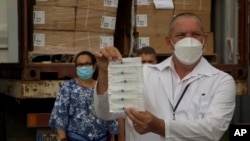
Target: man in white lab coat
x: 186, y: 98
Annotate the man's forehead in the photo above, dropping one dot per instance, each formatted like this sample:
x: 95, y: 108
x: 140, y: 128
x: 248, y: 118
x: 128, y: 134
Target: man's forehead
x: 187, y: 21
x: 187, y: 25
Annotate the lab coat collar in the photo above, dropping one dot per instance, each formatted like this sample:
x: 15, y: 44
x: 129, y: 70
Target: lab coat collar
x: 205, y: 68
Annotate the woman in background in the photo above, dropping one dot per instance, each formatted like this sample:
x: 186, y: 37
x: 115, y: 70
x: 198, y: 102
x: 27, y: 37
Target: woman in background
x: 73, y: 114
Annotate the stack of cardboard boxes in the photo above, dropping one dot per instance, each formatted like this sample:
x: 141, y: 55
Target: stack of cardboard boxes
x: 70, y: 26
x: 95, y: 24
x: 54, y: 25
x: 152, y: 24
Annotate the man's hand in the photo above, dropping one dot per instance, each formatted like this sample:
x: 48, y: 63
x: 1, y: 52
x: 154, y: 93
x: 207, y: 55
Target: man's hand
x: 102, y: 57
x: 105, y: 54
x: 145, y: 122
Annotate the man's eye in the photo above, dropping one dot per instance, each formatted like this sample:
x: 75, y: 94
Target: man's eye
x: 181, y: 35
x: 197, y: 34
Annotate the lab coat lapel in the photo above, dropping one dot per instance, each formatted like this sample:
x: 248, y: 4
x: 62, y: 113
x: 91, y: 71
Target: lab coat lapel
x: 166, y: 81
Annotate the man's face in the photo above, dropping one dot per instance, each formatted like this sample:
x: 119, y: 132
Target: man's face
x: 148, y: 58
x: 187, y: 27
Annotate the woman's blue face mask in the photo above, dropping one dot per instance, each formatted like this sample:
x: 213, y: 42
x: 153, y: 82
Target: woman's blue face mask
x: 85, y: 72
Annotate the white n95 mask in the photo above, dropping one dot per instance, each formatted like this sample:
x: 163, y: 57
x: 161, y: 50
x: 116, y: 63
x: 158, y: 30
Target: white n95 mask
x: 188, y: 50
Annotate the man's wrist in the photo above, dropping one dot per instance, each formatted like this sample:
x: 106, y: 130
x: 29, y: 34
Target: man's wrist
x: 160, y: 127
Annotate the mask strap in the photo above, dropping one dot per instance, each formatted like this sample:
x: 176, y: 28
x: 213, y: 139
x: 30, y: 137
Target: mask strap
x: 172, y: 42
x: 203, y: 40
x: 203, y: 46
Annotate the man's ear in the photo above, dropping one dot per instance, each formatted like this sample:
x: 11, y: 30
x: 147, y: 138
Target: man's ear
x: 205, y: 38
x: 168, y: 42
x: 205, y: 41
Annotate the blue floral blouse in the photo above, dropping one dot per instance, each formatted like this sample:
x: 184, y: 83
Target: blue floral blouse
x: 73, y: 112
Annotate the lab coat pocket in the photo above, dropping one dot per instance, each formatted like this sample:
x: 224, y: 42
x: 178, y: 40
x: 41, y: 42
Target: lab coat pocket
x: 204, y: 104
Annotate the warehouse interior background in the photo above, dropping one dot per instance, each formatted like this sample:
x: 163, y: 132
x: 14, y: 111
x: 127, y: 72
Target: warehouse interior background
x: 228, y: 27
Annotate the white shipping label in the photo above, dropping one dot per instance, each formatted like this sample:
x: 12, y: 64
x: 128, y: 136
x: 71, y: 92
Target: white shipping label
x: 125, y: 89
x: 108, y: 22
x: 142, y: 2
x: 38, y: 40
x: 106, y: 41
x: 164, y: 4
x: 141, y: 20
x: 143, y: 41
x: 111, y: 3
x: 39, y: 17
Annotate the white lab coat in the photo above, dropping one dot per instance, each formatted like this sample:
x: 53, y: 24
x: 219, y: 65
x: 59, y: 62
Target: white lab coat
x: 203, y: 114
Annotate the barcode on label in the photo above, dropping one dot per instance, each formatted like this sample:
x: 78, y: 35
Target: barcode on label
x: 39, y: 17
x: 108, y: 22
x: 38, y: 40
x: 106, y: 41
x: 111, y: 3
x: 141, y: 21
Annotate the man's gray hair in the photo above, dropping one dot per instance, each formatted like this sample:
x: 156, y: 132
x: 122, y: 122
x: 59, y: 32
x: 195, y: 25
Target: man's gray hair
x: 181, y: 15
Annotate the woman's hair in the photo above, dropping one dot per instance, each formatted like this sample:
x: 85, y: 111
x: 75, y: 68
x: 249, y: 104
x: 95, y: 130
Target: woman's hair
x: 91, y: 56
x: 93, y: 61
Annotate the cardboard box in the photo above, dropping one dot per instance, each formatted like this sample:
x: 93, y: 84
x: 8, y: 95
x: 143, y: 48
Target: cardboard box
x: 145, y: 5
x: 153, y: 21
x: 66, y: 3
x: 55, y: 18
x: 53, y: 42
x: 156, y: 41
x: 152, y: 5
x: 204, y: 15
x: 92, y: 41
x: 209, y: 46
x: 193, y: 5
x: 95, y: 21
x: 102, y: 5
